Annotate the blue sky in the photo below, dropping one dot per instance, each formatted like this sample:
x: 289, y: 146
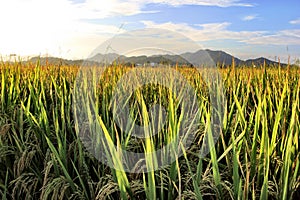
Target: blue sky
x: 72, y: 29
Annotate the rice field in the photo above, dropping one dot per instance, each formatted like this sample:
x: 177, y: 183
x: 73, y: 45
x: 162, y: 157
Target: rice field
x: 42, y: 155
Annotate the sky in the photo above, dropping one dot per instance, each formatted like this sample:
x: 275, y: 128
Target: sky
x: 74, y: 28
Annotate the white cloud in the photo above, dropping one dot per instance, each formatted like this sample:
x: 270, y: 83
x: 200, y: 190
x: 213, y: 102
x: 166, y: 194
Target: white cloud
x: 220, y: 3
x: 148, y: 41
x: 54, y: 27
x: 284, y: 37
x: 214, y: 26
x: 249, y: 17
x: 104, y: 8
x: 245, y: 44
x: 58, y: 26
x: 217, y: 31
x: 212, y: 31
x: 296, y: 21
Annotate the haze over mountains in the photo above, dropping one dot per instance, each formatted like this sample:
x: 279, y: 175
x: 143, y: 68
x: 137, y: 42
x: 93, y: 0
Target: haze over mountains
x: 202, y: 57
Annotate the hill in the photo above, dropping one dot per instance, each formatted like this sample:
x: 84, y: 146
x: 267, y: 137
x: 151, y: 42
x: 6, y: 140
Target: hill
x: 202, y: 57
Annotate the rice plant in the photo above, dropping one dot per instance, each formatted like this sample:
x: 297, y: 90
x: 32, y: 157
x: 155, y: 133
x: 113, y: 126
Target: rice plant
x: 43, y: 157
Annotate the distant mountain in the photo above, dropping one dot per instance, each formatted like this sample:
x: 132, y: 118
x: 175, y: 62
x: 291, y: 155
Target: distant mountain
x: 208, y: 56
x: 260, y: 61
x: 163, y: 59
x: 54, y: 61
x: 104, y: 58
x: 223, y: 58
x: 201, y: 57
x: 60, y: 61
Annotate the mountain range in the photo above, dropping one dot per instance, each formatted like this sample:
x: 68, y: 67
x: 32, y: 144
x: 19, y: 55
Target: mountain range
x: 202, y: 57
